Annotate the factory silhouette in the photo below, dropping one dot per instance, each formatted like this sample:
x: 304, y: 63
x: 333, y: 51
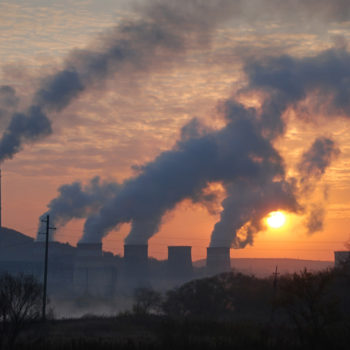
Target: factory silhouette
x: 88, y: 270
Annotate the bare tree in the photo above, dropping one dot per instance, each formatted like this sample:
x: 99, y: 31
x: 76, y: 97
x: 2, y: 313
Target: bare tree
x: 147, y: 300
x: 20, y: 302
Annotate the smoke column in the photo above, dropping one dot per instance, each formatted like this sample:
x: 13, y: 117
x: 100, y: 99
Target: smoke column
x: 315, y: 161
x: 312, y: 166
x: 76, y: 201
x: 237, y: 151
x: 241, y: 156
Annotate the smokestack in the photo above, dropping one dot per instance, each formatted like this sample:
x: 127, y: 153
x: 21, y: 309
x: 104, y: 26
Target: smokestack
x: 180, y: 263
x: 135, y: 269
x: 218, y: 260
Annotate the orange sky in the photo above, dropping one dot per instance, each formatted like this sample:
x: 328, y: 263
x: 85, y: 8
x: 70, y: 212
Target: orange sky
x: 128, y: 122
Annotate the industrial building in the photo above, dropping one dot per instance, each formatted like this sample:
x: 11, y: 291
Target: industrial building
x: 88, y: 270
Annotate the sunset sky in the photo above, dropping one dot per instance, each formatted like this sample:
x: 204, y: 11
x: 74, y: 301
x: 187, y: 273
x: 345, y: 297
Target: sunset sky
x: 126, y: 117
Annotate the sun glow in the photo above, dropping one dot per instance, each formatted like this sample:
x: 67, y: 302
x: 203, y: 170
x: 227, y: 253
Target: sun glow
x: 276, y: 219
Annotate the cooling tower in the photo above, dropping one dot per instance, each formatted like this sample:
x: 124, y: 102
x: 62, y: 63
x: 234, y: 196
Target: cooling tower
x: 93, y: 274
x: 179, y: 263
x: 218, y: 260
x: 87, y: 250
x: 341, y: 258
x: 135, y: 267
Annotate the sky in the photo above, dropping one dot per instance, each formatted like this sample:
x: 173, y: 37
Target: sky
x: 146, y: 94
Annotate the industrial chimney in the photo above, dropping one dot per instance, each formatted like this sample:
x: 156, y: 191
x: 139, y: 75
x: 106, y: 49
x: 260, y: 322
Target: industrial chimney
x: 135, y: 267
x: 179, y: 263
x: 218, y: 260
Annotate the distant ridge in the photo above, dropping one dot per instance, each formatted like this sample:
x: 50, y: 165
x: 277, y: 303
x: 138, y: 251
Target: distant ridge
x: 263, y: 267
x: 10, y: 236
x: 16, y: 246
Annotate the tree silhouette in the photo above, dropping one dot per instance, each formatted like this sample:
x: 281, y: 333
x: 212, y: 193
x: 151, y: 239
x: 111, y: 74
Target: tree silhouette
x: 20, y: 302
x: 147, y: 300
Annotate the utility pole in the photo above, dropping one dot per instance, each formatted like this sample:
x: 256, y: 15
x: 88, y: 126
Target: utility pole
x: 0, y: 202
x: 48, y: 228
x: 275, y: 276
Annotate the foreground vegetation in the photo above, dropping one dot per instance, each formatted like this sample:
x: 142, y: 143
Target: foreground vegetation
x: 299, y: 311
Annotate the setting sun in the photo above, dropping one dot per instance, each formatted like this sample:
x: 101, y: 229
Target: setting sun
x: 276, y: 219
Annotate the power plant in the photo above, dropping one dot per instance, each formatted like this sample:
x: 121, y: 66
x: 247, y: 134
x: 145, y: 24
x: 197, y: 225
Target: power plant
x: 86, y: 270
x: 93, y: 273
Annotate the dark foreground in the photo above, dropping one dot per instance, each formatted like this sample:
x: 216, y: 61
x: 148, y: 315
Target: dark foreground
x: 229, y: 311
x: 154, y: 332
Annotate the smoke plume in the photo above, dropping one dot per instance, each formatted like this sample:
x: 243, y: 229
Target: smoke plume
x: 76, y: 201
x: 312, y: 166
x: 8, y: 101
x: 241, y: 156
x: 315, y: 161
x: 290, y: 80
x: 315, y: 218
x: 164, y: 32
x: 237, y: 151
